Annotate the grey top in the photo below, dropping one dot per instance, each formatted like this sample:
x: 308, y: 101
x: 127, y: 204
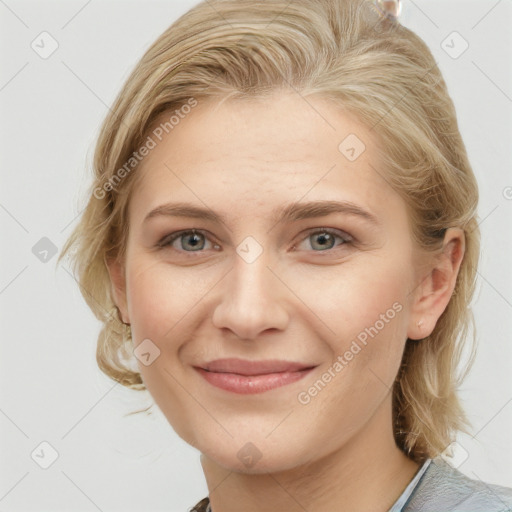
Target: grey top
x: 442, y: 488
x: 438, y: 487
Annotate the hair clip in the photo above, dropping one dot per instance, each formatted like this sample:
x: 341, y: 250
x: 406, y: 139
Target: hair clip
x: 389, y: 8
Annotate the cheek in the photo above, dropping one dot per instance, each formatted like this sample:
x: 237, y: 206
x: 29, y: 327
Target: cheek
x: 366, y: 310
x: 160, y: 295
x: 159, y: 299
x: 147, y: 301
x: 353, y: 297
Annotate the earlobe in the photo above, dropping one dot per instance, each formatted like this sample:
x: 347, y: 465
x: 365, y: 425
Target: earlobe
x: 118, y: 286
x: 435, y: 290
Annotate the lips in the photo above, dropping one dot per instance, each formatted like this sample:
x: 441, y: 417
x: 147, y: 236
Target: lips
x: 250, y: 377
x: 245, y: 367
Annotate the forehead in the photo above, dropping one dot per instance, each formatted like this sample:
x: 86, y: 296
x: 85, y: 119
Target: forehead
x: 261, y: 152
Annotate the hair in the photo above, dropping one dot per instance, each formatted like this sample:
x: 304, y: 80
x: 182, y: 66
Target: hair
x: 368, y: 64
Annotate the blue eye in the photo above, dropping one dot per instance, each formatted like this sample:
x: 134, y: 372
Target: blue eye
x: 191, y: 239
x: 196, y: 240
x: 326, y: 239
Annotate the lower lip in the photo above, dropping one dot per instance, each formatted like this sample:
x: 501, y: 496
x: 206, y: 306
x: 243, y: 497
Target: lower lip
x: 250, y: 384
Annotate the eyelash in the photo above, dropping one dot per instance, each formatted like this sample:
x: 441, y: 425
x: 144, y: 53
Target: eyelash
x: 166, y: 242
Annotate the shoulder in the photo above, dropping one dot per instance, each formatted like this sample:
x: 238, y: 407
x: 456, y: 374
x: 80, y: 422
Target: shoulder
x: 443, y: 488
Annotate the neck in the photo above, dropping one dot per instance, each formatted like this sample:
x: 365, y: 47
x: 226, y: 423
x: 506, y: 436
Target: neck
x: 369, y: 472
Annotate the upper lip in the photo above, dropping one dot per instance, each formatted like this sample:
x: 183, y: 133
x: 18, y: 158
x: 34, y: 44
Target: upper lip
x: 245, y: 367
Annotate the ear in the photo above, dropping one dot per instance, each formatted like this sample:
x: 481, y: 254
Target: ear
x: 118, y: 286
x: 435, y: 289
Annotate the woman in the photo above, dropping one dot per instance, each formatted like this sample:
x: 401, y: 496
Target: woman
x: 282, y: 236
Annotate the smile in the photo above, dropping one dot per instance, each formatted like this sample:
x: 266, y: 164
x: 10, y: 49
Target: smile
x: 247, y: 377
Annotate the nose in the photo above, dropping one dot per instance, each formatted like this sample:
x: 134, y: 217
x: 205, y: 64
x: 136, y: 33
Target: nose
x: 253, y: 300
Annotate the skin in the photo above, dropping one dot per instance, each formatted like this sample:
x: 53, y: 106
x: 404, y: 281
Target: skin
x: 299, y: 301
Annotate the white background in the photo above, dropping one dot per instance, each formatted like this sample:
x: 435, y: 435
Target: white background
x: 51, y: 389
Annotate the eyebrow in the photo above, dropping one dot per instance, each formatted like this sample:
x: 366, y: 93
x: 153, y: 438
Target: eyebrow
x: 289, y: 213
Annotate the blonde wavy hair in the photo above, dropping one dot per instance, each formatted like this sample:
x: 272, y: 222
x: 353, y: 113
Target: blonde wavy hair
x: 346, y: 51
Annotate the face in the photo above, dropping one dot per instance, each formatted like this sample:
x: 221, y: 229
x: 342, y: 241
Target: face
x: 326, y: 286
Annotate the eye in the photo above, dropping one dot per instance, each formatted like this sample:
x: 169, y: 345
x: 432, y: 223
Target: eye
x: 324, y: 239
x: 187, y: 241
x: 190, y: 241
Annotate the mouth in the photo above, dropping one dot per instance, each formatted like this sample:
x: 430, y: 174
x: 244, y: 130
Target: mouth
x: 249, y: 377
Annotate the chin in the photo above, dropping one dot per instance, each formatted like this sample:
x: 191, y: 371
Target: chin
x: 253, y: 458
